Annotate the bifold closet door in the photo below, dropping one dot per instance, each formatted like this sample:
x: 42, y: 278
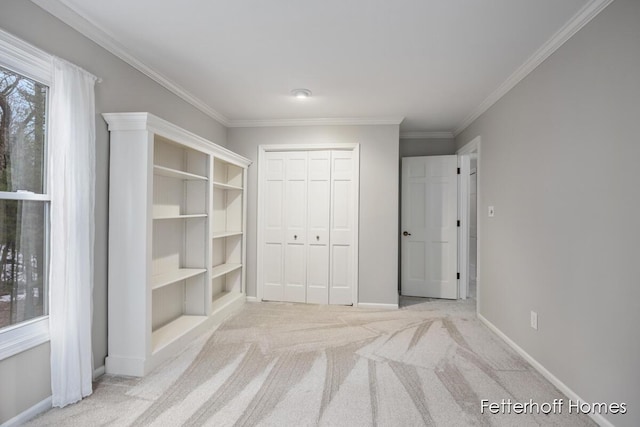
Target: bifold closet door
x: 295, y: 227
x: 309, y: 205
x: 318, y: 222
x: 285, y: 251
x: 274, y: 228
x: 343, y: 206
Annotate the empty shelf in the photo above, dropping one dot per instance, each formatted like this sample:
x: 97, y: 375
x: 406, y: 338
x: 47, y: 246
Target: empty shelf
x: 165, y: 335
x: 219, y: 234
x: 180, y: 216
x: 223, y: 269
x: 160, y: 280
x: 226, y: 186
x: 175, y: 173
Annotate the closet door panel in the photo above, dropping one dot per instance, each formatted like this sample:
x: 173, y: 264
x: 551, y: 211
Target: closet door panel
x: 295, y: 214
x: 295, y: 268
x: 319, y: 201
x: 342, y: 228
x: 274, y: 229
x: 296, y: 198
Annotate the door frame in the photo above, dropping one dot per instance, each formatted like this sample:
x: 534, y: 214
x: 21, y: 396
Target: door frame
x: 262, y: 150
x: 464, y: 194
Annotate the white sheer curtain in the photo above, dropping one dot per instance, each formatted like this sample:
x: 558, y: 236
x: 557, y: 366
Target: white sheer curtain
x: 72, y: 179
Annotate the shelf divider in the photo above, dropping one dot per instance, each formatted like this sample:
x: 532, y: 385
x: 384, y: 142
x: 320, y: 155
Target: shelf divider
x: 223, y: 269
x: 161, y: 280
x: 224, y: 186
x: 180, y: 216
x: 175, y: 173
x: 220, y: 234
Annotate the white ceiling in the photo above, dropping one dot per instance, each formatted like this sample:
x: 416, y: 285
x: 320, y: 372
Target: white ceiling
x: 433, y: 62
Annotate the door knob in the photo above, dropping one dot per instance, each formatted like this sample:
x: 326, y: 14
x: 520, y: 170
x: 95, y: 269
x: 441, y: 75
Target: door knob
x: 295, y: 237
x: 317, y: 237
x: 406, y: 233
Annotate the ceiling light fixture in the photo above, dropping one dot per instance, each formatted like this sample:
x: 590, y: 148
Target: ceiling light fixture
x: 301, y: 93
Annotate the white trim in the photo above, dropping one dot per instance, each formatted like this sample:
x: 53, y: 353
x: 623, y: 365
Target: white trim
x: 147, y: 121
x: 356, y: 228
x: 338, y: 121
x: 260, y: 222
x: 29, y: 414
x: 464, y: 153
x: 470, y: 147
x: 426, y: 135
x: 463, y: 230
x: 579, y: 20
x: 542, y: 370
x: 27, y: 195
x: 376, y: 305
x: 308, y: 147
x: 253, y: 299
x: 23, y: 336
x: 262, y: 150
x: 98, y: 372
x: 61, y: 10
x: 25, y: 59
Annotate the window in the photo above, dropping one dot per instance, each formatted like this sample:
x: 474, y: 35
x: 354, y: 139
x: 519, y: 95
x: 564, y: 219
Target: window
x: 24, y: 201
x: 23, y: 225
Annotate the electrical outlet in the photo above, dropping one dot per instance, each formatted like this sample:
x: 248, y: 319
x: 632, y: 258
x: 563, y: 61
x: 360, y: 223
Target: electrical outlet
x: 534, y: 320
x: 492, y: 211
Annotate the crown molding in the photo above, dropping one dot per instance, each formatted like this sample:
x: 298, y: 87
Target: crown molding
x: 579, y: 20
x: 142, y: 121
x: 85, y: 26
x: 316, y: 122
x: 426, y: 135
x: 61, y: 10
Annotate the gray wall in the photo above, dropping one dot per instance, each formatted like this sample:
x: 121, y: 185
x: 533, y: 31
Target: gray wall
x: 427, y: 147
x: 123, y: 89
x: 559, y: 161
x: 378, y: 197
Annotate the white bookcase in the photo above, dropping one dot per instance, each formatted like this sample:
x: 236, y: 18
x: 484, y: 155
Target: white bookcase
x: 227, y: 274
x: 177, y: 209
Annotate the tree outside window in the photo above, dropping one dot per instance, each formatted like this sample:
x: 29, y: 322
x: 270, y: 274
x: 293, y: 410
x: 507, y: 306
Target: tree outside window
x: 23, y: 198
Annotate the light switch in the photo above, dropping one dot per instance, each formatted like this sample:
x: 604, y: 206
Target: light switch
x: 491, y: 211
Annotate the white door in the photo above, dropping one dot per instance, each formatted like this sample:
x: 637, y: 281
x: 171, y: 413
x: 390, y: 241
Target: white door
x: 429, y: 227
x: 343, y: 207
x: 274, y: 165
x: 319, y: 203
x: 309, y: 226
x: 295, y: 214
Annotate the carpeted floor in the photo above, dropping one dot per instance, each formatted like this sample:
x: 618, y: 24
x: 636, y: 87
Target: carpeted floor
x: 278, y: 364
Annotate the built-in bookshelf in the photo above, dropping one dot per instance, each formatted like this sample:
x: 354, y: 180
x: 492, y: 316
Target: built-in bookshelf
x: 176, y: 239
x: 227, y: 274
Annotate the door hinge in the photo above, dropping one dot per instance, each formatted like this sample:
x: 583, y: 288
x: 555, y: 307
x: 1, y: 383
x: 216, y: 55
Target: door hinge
x: 458, y: 276
x: 458, y: 171
x: 458, y: 223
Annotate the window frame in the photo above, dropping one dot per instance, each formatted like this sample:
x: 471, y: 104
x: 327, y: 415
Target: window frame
x: 29, y: 61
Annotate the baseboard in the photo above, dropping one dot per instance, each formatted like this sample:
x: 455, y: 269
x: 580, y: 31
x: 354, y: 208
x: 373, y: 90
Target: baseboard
x: 252, y: 299
x: 29, y: 414
x: 603, y: 422
x: 42, y: 406
x: 98, y: 372
x: 376, y: 305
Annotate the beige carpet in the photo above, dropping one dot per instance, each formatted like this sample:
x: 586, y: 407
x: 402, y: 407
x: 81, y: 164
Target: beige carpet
x: 277, y: 364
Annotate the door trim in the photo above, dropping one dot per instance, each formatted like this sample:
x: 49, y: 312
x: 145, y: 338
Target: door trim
x: 464, y: 163
x: 262, y: 150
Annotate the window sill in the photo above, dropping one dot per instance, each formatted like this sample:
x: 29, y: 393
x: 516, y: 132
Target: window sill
x: 21, y: 337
